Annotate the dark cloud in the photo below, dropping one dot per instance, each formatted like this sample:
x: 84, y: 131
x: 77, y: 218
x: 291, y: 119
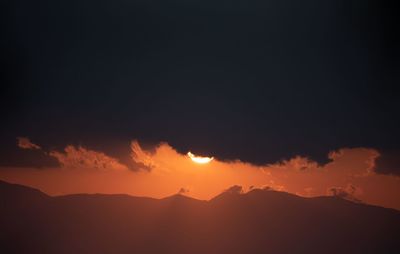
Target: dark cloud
x: 260, y: 81
x: 12, y: 155
x: 183, y: 191
x: 388, y: 162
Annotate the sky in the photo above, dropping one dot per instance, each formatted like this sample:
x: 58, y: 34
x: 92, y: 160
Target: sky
x: 293, y: 95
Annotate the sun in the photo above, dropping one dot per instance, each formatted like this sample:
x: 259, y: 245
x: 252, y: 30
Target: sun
x: 199, y: 159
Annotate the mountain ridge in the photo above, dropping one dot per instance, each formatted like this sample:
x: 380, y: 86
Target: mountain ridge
x: 4, y: 186
x: 259, y: 221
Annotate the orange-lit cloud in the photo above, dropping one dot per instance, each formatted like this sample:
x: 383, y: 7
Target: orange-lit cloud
x: 140, y: 157
x: 350, y: 174
x: 80, y: 157
x: 25, y: 143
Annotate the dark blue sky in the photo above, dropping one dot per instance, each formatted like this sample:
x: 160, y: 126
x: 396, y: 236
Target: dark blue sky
x: 258, y: 81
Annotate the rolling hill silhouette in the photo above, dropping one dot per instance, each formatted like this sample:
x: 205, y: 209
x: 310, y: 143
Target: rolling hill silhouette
x: 260, y: 221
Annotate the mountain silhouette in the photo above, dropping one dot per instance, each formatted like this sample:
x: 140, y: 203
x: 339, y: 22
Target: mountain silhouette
x: 259, y: 221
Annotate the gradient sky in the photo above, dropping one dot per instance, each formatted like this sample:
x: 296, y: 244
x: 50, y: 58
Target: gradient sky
x: 259, y: 85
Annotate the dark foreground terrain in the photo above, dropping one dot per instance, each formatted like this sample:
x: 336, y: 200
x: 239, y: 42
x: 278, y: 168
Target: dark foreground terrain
x: 260, y: 221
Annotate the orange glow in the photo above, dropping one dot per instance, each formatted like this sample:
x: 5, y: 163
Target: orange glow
x: 167, y: 171
x: 199, y: 159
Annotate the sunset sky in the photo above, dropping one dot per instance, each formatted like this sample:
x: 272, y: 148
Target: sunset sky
x: 110, y: 96
x: 161, y: 171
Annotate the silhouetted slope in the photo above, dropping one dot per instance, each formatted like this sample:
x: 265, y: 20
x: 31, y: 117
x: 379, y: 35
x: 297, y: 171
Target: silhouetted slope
x: 278, y: 222
x: 259, y: 221
x: 19, y: 193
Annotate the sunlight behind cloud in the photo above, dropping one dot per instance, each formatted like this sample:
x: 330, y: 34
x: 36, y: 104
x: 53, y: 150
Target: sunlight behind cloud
x: 199, y: 159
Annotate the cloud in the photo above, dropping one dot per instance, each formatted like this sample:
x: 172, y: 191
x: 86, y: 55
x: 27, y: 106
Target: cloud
x: 79, y: 157
x: 296, y: 163
x: 141, y: 157
x: 298, y: 175
x: 20, y: 152
x: 25, y: 143
x: 388, y: 162
x: 348, y: 193
x: 161, y: 171
x: 275, y: 188
x: 183, y: 191
x: 235, y: 189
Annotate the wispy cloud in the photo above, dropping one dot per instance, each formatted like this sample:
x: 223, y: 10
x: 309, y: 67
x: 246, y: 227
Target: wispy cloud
x: 25, y: 143
x: 79, y: 157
